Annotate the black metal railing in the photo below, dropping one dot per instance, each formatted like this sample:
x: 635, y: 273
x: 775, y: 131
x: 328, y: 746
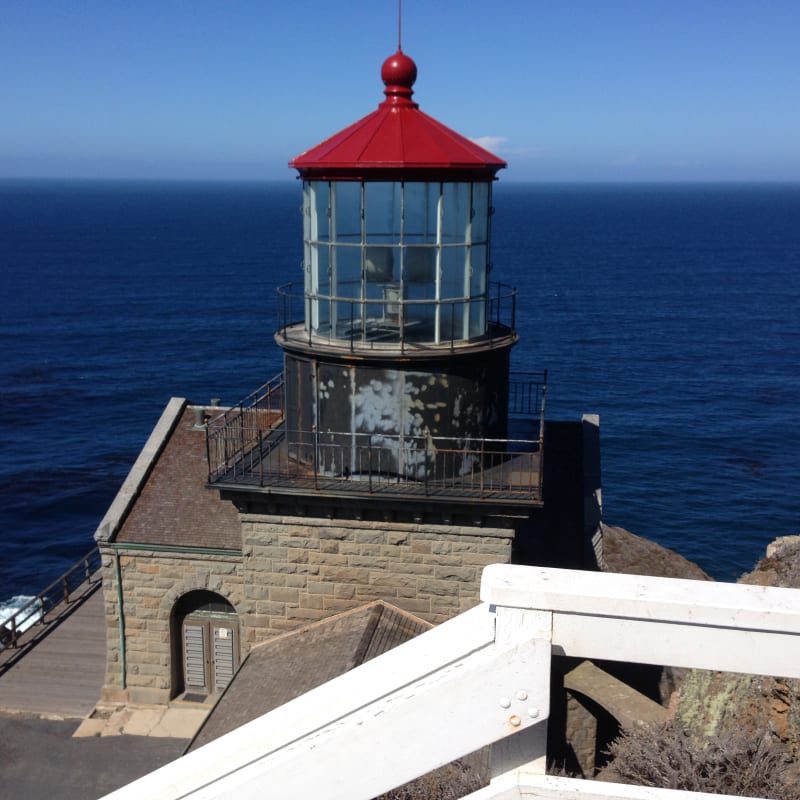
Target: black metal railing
x: 238, y: 430
x: 395, y: 321
x: 527, y: 393
x: 60, y: 591
x: 360, y: 463
x: 250, y: 444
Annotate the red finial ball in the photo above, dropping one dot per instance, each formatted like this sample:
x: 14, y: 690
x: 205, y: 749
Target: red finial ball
x: 399, y: 70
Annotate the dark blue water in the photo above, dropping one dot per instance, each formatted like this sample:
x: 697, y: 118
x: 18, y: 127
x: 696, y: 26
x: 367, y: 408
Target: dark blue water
x: 671, y: 311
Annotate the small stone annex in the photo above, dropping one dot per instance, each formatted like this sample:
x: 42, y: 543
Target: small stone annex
x: 394, y: 457
x: 179, y: 559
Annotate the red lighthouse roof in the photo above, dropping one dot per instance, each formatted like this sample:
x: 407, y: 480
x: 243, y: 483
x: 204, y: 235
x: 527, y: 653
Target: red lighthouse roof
x: 397, y: 141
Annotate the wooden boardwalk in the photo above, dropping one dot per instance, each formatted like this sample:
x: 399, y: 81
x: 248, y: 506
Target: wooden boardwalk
x: 63, y: 672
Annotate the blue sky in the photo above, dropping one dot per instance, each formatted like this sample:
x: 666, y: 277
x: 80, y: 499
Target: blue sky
x: 563, y: 90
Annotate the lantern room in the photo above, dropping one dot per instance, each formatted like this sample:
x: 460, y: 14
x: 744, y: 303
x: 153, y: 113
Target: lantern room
x: 396, y: 227
x: 396, y: 261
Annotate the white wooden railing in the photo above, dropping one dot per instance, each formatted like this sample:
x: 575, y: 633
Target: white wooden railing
x: 483, y: 678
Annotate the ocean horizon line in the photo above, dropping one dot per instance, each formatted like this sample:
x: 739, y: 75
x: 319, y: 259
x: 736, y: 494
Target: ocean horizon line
x: 501, y: 180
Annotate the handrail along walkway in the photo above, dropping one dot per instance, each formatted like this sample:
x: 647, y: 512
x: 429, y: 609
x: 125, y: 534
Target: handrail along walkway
x: 62, y: 591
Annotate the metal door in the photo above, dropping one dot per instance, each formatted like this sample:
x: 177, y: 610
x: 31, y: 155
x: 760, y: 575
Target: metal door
x: 210, y: 654
x: 224, y: 656
x: 195, y: 638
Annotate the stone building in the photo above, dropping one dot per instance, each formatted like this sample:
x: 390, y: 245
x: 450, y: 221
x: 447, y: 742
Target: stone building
x: 394, y: 457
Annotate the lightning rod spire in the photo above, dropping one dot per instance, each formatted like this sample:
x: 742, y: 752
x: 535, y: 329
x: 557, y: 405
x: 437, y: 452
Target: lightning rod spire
x: 400, y: 25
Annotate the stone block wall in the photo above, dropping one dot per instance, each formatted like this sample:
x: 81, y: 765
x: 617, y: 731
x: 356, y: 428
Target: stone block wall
x: 152, y: 582
x: 292, y: 571
x: 303, y: 569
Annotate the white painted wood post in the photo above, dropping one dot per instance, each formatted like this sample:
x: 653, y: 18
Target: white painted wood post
x: 524, y: 752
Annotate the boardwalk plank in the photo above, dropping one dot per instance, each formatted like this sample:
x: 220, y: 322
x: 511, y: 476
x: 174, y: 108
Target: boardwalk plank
x: 64, y: 673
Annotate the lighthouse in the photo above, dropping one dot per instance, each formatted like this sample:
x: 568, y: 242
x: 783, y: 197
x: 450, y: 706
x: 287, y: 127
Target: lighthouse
x: 396, y: 342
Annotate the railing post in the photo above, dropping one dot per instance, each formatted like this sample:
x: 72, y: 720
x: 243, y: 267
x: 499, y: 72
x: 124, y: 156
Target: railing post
x: 402, y: 318
x: 315, y: 455
x: 399, y: 459
x: 260, y: 458
x: 65, y: 585
x: 241, y: 429
x: 543, y: 401
x: 483, y: 463
x: 425, y: 467
x: 369, y: 460
x: 208, y: 453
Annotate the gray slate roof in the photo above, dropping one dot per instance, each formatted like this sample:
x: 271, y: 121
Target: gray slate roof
x: 290, y: 665
x: 174, y: 506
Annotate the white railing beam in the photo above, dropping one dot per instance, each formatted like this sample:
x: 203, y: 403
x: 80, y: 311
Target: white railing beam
x: 684, y: 623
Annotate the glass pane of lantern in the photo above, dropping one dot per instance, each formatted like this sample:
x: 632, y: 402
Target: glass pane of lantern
x: 418, y: 319
x: 477, y: 289
x: 320, y: 269
x: 347, y: 318
x: 420, y: 209
x: 346, y: 269
x: 320, y: 288
x: 375, y: 307
x: 477, y: 318
x: 319, y: 206
x: 480, y: 212
x: 379, y: 264
x: 419, y: 264
x: 308, y: 259
x: 420, y: 291
x: 321, y: 315
x: 452, y: 320
x: 308, y: 206
x: 456, y: 205
x: 478, y: 255
x: 453, y: 269
x: 382, y: 212
x: 347, y: 211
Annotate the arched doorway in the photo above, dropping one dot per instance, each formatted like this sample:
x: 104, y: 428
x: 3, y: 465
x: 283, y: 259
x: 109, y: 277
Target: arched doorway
x: 205, y: 650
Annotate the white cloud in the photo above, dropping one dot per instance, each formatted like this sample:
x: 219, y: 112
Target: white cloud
x: 491, y: 143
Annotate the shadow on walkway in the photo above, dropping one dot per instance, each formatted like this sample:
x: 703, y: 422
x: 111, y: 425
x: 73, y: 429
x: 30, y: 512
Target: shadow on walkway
x: 39, y: 760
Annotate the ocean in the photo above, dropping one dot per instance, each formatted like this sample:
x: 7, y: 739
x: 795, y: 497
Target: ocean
x: 669, y: 310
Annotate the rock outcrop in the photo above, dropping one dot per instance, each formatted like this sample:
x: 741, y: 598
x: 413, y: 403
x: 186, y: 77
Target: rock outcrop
x: 714, y: 712
x: 717, y: 704
x: 707, y: 706
x: 625, y: 552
